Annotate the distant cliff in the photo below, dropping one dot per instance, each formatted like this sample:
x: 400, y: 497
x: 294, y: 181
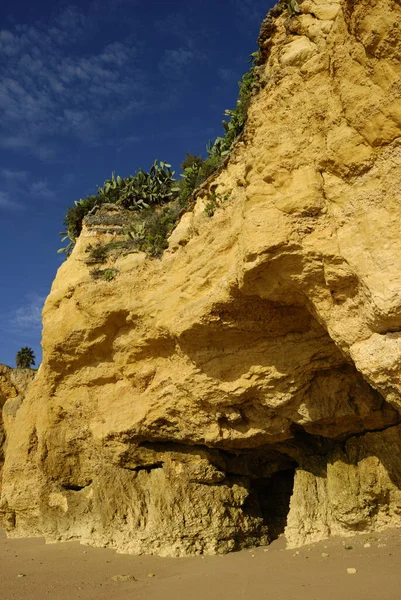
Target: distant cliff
x: 249, y: 380
x: 13, y: 386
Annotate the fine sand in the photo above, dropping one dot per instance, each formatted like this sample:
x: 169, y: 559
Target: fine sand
x: 33, y: 570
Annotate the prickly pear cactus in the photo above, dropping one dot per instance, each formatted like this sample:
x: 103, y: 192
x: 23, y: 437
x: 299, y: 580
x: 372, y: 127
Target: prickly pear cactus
x: 293, y: 7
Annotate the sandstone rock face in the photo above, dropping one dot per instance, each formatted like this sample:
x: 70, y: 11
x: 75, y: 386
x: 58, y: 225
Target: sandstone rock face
x: 190, y: 403
x: 356, y: 487
x: 13, y: 386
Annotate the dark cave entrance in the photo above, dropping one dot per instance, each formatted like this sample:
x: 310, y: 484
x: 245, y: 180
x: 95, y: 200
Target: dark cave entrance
x: 274, y: 495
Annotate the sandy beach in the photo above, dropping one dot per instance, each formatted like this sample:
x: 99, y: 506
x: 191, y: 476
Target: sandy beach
x: 33, y: 570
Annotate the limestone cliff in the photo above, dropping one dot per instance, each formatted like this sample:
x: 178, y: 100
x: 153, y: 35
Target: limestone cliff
x: 181, y: 405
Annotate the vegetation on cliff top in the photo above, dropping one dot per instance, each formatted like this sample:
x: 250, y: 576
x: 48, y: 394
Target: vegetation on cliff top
x: 156, y: 194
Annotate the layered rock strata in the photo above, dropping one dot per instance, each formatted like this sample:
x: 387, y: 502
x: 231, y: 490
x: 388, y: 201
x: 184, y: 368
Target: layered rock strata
x: 190, y: 403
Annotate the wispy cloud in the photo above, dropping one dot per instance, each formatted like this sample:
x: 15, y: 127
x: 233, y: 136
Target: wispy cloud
x: 11, y: 176
x: 8, y: 204
x: 130, y: 140
x: 19, y: 187
x: 176, y: 62
x: 42, y: 189
x: 29, y: 316
x: 48, y: 88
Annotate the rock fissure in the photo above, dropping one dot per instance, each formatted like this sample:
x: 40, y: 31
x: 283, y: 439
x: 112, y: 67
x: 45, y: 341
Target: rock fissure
x: 147, y: 468
x: 74, y: 488
x: 379, y: 430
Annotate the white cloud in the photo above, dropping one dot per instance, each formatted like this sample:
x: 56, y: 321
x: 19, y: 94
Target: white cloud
x: 29, y: 316
x: 8, y: 204
x: 13, y: 176
x: 128, y: 141
x: 177, y: 61
x: 50, y: 87
x: 41, y: 188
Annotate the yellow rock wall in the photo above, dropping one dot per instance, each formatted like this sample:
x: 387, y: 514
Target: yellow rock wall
x: 13, y: 386
x: 176, y: 401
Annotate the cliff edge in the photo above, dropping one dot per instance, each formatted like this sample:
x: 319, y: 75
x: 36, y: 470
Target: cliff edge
x: 249, y: 381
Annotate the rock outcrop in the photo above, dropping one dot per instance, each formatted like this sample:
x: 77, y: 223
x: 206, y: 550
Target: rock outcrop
x: 13, y: 386
x: 189, y: 404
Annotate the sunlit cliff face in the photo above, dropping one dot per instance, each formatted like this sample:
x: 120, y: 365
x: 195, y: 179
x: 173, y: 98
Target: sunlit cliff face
x: 248, y: 381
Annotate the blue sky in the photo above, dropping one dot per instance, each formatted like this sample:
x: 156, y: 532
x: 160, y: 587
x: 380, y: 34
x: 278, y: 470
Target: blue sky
x: 91, y: 88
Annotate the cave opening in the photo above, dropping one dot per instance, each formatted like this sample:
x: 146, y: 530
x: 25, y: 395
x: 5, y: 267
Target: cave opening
x: 274, y: 495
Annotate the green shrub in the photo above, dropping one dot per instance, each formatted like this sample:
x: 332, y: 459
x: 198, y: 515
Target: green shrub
x: 238, y: 115
x: 195, y: 171
x: 191, y: 168
x: 109, y: 274
x: 145, y: 192
x: 73, y: 221
x: 210, y: 166
x: 96, y: 254
x: 191, y: 160
x: 137, y: 192
x: 214, y: 201
x: 150, y: 235
x: 105, y: 274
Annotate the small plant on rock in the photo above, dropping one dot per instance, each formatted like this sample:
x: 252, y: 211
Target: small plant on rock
x: 96, y: 254
x: 238, y: 115
x: 105, y: 274
x: 214, y: 201
x: 150, y: 235
x: 293, y: 7
x: 109, y: 274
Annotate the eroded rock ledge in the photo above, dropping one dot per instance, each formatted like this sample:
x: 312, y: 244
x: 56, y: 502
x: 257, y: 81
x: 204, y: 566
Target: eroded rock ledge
x: 250, y: 378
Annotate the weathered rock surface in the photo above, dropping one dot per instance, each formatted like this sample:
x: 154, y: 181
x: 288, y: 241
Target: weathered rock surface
x: 175, y: 402
x: 13, y: 386
x: 357, y: 487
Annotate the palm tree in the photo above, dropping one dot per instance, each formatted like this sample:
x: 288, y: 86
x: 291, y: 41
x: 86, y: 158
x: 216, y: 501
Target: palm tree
x: 25, y: 358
